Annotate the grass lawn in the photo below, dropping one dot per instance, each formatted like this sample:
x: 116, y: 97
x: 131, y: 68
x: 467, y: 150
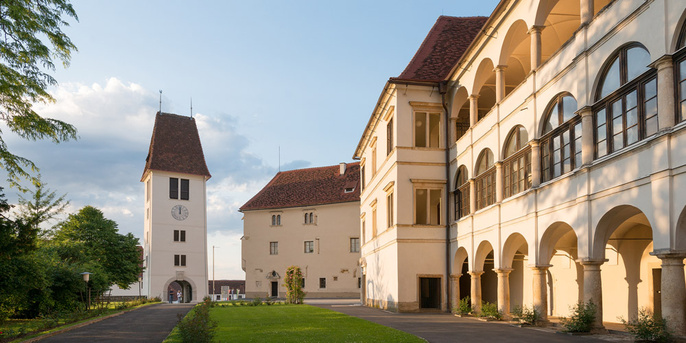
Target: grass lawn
x: 296, y: 323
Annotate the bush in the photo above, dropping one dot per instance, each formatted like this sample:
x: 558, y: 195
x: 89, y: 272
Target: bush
x: 257, y: 301
x: 582, y: 318
x: 294, y: 291
x: 526, y: 315
x: 490, y: 310
x: 197, y: 327
x: 648, y: 327
x: 464, y: 307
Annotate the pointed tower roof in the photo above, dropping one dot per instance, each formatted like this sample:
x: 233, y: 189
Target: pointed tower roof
x: 175, y: 146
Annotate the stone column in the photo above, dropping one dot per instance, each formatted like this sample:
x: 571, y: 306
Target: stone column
x: 476, y: 290
x: 499, y: 83
x: 586, y: 11
x: 472, y: 196
x: 665, y: 94
x: 593, y: 290
x: 455, y: 291
x: 540, y: 290
x: 498, y: 182
x: 535, y: 163
x: 504, y: 290
x: 535, y: 34
x: 673, y: 292
x: 587, y: 144
x: 473, y: 109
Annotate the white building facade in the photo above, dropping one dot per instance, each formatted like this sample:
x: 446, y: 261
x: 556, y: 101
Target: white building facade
x: 556, y: 156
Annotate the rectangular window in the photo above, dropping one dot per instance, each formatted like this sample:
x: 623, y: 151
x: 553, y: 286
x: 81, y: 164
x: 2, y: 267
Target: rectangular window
x: 322, y: 282
x: 183, y: 235
x: 359, y: 282
x: 176, y: 235
x: 273, y: 248
x: 374, y: 231
x: 355, y: 244
x: 428, y: 206
x: 373, y: 161
x: 389, y: 137
x: 516, y: 170
x: 364, y: 231
x: 309, y: 247
x: 389, y: 209
x: 173, y: 188
x: 650, y: 107
x: 302, y: 283
x: 362, y: 180
x: 184, y: 189
x: 485, y: 189
x: 179, y: 260
x: 427, y: 129
x: 148, y: 188
x: 682, y: 91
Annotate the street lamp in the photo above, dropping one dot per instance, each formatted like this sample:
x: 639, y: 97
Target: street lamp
x: 213, y: 289
x: 140, y: 279
x: 86, y: 277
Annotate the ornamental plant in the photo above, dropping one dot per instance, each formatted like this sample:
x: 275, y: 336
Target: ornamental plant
x: 648, y: 327
x: 294, y: 281
x: 583, y: 315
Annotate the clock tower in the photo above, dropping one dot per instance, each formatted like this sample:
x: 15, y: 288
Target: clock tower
x: 175, y: 233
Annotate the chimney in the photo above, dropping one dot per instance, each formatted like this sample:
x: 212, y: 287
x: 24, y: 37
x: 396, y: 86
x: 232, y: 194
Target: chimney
x: 343, y: 165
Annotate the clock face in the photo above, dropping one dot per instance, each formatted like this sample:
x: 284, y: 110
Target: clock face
x: 179, y: 212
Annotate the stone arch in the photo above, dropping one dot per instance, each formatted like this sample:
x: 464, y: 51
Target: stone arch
x: 602, y: 71
x: 482, y: 251
x: 561, y: 19
x: 193, y: 288
x: 513, y: 244
x: 460, y: 113
x: 461, y: 256
x: 558, y: 232
x: 515, y: 53
x: 679, y: 36
x: 614, y: 222
x: 484, y: 86
x: 680, y: 232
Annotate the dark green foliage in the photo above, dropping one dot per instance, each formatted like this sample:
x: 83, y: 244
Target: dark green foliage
x: 525, y: 315
x: 490, y: 310
x: 197, y: 327
x: 464, y: 307
x: 42, y: 206
x: 294, y: 293
x: 648, y: 327
x: 26, y: 26
x: 583, y: 315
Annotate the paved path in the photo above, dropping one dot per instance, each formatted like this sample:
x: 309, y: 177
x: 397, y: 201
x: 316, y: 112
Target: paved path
x: 147, y: 324
x: 443, y: 327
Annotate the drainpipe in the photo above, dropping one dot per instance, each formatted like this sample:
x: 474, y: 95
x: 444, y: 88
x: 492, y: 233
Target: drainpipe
x: 443, y: 90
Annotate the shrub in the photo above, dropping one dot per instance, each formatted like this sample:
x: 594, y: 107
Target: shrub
x: 464, y: 307
x: 648, y: 327
x: 490, y: 310
x: 257, y: 301
x: 294, y: 291
x: 526, y: 315
x: 197, y: 327
x: 582, y: 318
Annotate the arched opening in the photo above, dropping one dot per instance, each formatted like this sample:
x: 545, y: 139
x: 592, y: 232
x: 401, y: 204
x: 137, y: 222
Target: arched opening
x: 179, y: 291
x: 461, y: 269
x: 460, y: 112
x: 461, y: 193
x: 485, y: 179
x: 517, y: 163
x: 484, y: 87
x: 622, y: 236
x: 558, y: 248
x: 516, y: 55
x: 560, y: 20
x: 484, y: 262
x: 515, y: 257
x: 680, y: 63
x: 560, y: 138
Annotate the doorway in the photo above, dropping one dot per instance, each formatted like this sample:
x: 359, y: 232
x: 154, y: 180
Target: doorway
x: 430, y: 291
x: 657, y: 292
x: 275, y: 289
x: 179, y: 291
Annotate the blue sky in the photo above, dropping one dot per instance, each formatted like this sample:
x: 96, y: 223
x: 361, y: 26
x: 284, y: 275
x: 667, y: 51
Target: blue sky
x: 300, y: 75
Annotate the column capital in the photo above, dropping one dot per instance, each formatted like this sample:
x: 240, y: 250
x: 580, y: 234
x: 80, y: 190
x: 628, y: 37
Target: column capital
x: 473, y: 96
x: 540, y: 267
x: 668, y: 254
x: 534, y: 143
x: 665, y: 61
x: 475, y: 273
x: 500, y: 67
x: 536, y: 29
x: 585, y: 111
x: 455, y: 276
x: 504, y: 271
x: 589, y: 262
x: 498, y: 164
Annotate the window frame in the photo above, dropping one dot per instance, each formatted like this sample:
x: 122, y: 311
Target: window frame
x: 308, y: 247
x: 322, y: 283
x: 173, y: 188
x: 485, y: 181
x: 428, y: 188
x: 461, y: 193
x: 547, y: 139
x: 513, y: 180
x: 274, y: 248
x: 427, y: 113
x: 184, y: 193
x: 678, y: 58
x: 354, y: 244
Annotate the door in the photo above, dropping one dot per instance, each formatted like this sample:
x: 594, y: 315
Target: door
x: 430, y: 290
x: 275, y: 289
x: 657, y: 292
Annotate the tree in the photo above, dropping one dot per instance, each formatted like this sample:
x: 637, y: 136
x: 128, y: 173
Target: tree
x: 294, y: 291
x: 43, y: 206
x: 25, y: 28
x: 118, y: 254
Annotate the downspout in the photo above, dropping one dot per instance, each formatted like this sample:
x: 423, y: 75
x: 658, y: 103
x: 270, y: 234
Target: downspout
x: 443, y: 90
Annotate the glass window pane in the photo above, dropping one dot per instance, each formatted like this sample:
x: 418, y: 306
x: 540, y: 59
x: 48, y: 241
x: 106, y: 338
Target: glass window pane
x: 651, y: 107
x: 557, y: 170
x: 617, y: 108
x: 568, y: 108
x: 523, y: 138
x: 602, y: 148
x: 682, y: 91
x: 556, y: 143
x: 566, y: 151
x: 618, y: 142
x: 631, y: 118
x: 637, y: 62
x: 420, y: 129
x: 602, y: 133
x: 611, y: 80
x: 651, y: 89
x: 421, y: 206
x: 683, y: 110
x: 682, y: 70
x: 617, y: 125
x: 651, y: 126
x: 600, y: 117
x: 556, y: 157
x: 631, y: 100
x: 434, y: 130
x: 553, y: 119
x: 435, y: 207
x: 567, y: 166
x: 632, y: 135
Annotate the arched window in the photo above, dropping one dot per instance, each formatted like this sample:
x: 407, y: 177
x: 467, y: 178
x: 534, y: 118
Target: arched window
x: 561, y: 138
x: 485, y: 180
x: 278, y: 219
x: 461, y: 193
x: 626, y: 107
x: 273, y: 219
x: 680, y: 62
x: 517, y: 163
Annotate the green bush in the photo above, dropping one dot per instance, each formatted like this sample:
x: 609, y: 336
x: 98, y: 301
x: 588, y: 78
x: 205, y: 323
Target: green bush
x: 582, y: 318
x: 490, y: 310
x: 526, y: 315
x: 197, y: 327
x: 294, y: 289
x: 464, y: 307
x: 257, y: 301
x: 648, y: 327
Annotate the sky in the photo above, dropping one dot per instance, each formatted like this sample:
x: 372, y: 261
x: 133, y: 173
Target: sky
x: 299, y: 77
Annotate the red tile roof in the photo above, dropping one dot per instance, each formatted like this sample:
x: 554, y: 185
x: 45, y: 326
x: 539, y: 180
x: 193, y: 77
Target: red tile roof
x: 175, y: 146
x: 307, y: 187
x: 443, y: 46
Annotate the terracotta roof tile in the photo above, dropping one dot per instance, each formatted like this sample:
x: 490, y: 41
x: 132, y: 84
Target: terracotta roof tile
x: 442, y: 48
x: 307, y: 187
x: 175, y: 146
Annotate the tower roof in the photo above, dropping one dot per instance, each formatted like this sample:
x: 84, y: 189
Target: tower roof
x: 308, y: 187
x: 175, y: 146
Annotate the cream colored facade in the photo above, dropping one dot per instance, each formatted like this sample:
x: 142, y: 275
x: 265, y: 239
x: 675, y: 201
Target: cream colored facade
x: 330, y: 258
x: 159, y: 239
x: 610, y: 228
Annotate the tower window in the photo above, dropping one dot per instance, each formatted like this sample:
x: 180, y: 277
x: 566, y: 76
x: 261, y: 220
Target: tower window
x: 173, y: 188
x: 179, y: 260
x: 179, y: 235
x: 184, y: 189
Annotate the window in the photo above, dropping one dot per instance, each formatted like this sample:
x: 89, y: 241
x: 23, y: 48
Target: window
x: 517, y: 164
x: 364, y: 230
x: 302, y: 283
x: 680, y: 62
x: 173, y: 188
x: 485, y: 180
x: 389, y: 137
x: 359, y: 282
x: 309, y: 247
x: 427, y: 129
x: 179, y: 260
x: 309, y: 218
x: 273, y: 248
x: 276, y: 220
x: 427, y: 206
x: 461, y: 193
x: 355, y: 244
x: 362, y: 180
x: 626, y: 110
x: 389, y: 209
x: 373, y: 161
x: 561, y: 141
x: 322, y: 282
x: 374, y: 222
x: 148, y: 189
x: 179, y: 235
x: 461, y: 128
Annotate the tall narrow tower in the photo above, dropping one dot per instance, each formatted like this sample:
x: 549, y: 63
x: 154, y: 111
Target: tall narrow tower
x: 175, y: 238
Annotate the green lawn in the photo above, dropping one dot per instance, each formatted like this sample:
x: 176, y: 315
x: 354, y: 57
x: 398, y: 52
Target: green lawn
x: 296, y: 323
